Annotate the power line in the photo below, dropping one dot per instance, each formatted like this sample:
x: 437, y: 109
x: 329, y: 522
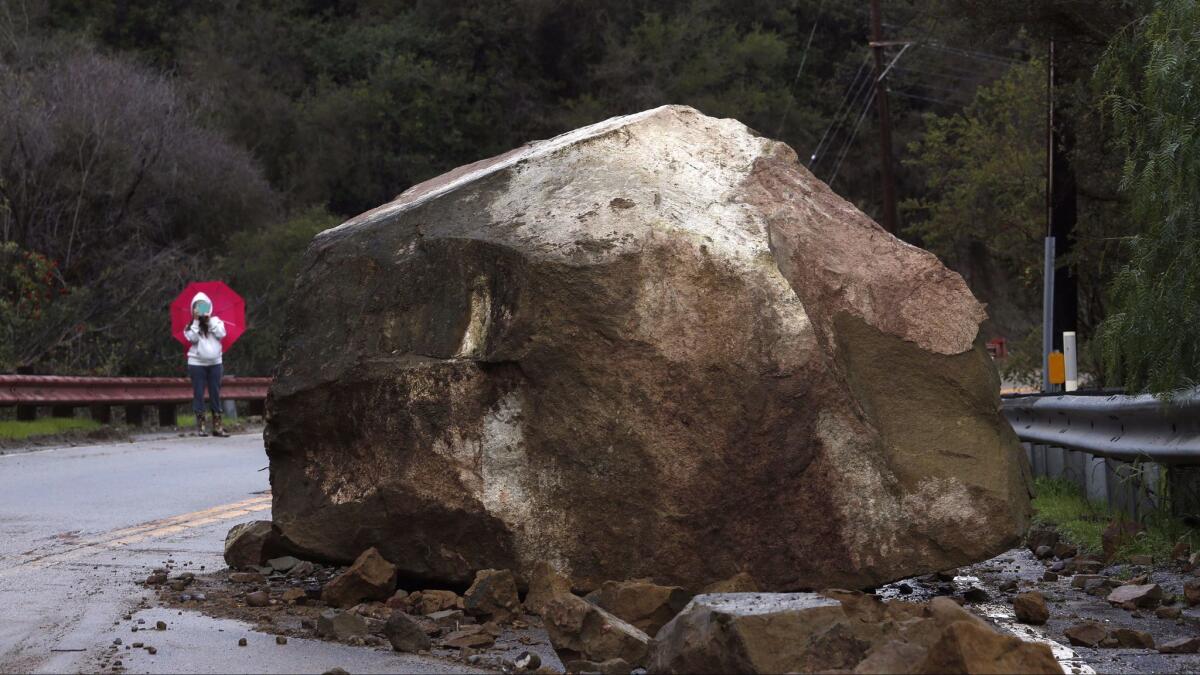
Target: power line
x: 849, y: 96
x: 846, y: 146
x: 803, y: 57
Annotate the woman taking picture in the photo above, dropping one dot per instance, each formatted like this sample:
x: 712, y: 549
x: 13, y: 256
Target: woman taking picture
x: 204, y: 362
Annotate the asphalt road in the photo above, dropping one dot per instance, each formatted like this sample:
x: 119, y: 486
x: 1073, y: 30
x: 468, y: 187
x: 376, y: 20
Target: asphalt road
x: 81, y: 527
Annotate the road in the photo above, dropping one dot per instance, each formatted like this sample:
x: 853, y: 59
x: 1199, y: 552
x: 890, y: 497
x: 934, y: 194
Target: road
x: 81, y: 527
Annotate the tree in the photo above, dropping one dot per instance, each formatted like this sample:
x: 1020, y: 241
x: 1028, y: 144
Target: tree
x: 1151, y: 341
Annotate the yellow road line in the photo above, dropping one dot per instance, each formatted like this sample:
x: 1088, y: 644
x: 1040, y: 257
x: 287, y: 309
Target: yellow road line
x: 155, y: 529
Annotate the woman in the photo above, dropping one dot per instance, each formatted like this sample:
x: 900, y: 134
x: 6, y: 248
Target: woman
x: 204, y: 362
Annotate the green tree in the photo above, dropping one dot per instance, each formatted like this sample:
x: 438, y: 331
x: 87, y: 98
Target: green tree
x: 1151, y: 340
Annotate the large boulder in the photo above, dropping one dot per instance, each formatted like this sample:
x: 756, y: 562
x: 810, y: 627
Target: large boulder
x: 652, y: 347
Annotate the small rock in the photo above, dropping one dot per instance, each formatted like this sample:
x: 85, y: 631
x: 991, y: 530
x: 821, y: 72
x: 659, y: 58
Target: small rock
x: 493, y: 595
x: 1087, y: 634
x: 1143, y: 560
x: 399, y: 600
x: 1188, y: 645
x: 446, y: 617
x: 160, y: 625
x: 156, y: 579
x: 1063, y: 550
x: 545, y: 584
x: 641, y: 603
x: 527, y: 661
x: 1043, y: 552
x: 946, y: 575
x: 280, y: 640
x: 1181, y: 552
x: 1170, y: 613
x: 609, y: 667
x: 136, y: 645
x: 335, y: 671
x: 1058, y: 566
x: 405, y: 634
x: 117, y: 641
x: 1191, y: 593
x: 294, y: 595
x: 369, y: 578
x: 247, y: 578
x: 1041, y: 536
x: 242, y: 642
x: 904, y: 589
x: 1141, y: 595
x: 301, y: 570
x: 200, y: 597
x: 1049, y: 576
x: 976, y: 594
x: 1081, y: 580
x: 340, y: 625
x: 258, y: 599
x: 283, y: 563
x: 249, y: 544
x: 1085, y: 566
x: 428, y: 602
x: 462, y: 639
x: 1008, y: 585
x: 1031, y: 608
x: 151, y: 651
x: 1127, y: 637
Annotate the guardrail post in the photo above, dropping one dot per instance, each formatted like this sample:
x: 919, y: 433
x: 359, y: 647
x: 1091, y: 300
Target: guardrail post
x: 26, y: 413
x: 101, y: 413
x: 133, y: 415
x: 67, y: 411
x: 167, y: 416
x: 1055, y: 462
x: 1095, y: 479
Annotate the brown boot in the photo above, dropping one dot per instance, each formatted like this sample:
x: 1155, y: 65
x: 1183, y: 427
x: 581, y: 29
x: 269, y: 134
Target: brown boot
x: 200, y: 430
x: 218, y: 430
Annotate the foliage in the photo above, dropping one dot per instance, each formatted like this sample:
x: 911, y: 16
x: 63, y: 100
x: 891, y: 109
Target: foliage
x: 983, y: 206
x: 1151, y: 340
x: 20, y: 430
x: 1060, y: 503
x: 263, y: 263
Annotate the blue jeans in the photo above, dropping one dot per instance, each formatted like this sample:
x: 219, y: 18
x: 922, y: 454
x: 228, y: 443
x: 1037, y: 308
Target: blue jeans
x: 205, y: 376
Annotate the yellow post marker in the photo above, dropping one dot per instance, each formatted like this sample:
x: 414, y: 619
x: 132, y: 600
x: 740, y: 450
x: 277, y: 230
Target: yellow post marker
x: 1058, y: 368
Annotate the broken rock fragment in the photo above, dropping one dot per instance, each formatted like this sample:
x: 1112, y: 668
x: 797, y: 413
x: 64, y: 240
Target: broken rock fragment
x: 641, y: 603
x: 545, y: 584
x: 340, y: 625
x: 638, y: 323
x: 968, y: 647
x: 1087, y: 634
x: 578, y: 629
x: 1139, y: 595
x: 251, y: 544
x: 405, y: 634
x: 1031, y: 608
x: 493, y: 596
x: 369, y: 578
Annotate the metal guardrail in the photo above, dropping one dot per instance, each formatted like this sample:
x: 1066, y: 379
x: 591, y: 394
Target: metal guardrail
x: 64, y: 393
x: 1127, y: 428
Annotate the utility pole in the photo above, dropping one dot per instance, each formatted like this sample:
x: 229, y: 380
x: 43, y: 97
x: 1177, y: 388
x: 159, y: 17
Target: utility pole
x: 885, y: 122
x: 1048, y: 256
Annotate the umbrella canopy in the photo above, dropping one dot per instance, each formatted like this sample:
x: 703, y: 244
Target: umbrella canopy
x: 228, y: 306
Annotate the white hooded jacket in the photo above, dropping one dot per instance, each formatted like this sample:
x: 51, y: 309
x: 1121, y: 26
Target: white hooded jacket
x: 206, y: 349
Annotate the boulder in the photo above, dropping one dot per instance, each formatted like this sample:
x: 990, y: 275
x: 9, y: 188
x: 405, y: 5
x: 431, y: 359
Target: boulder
x: 892, y: 658
x: 1191, y: 593
x: 588, y: 350
x: 251, y: 544
x: 968, y: 647
x: 1086, y: 634
x: 545, y: 584
x: 493, y: 596
x: 642, y: 603
x: 340, y: 625
x: 1031, y: 608
x: 580, y: 630
x: 759, y: 633
x: 430, y: 601
x: 369, y: 578
x: 1186, y: 645
x: 1116, y: 534
x: 1137, y: 639
x: 1038, y: 537
x: 405, y: 634
x: 1140, y: 595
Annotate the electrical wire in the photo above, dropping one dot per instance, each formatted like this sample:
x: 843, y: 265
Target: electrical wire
x: 837, y: 115
x: 846, y: 147
x: 803, y: 57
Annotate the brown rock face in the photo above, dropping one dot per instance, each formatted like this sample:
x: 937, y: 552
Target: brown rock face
x: 369, y: 578
x: 968, y: 647
x: 653, y: 347
x: 545, y: 584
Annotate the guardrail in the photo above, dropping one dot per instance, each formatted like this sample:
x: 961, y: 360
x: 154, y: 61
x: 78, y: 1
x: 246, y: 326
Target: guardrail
x: 1128, y: 451
x: 62, y: 394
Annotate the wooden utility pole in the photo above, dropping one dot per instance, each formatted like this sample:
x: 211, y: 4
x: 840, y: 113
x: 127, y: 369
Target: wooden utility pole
x: 885, y: 122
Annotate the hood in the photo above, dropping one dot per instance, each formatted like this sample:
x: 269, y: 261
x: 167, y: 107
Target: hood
x: 198, y: 297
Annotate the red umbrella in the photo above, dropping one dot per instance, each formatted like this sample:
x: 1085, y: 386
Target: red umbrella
x: 228, y: 306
